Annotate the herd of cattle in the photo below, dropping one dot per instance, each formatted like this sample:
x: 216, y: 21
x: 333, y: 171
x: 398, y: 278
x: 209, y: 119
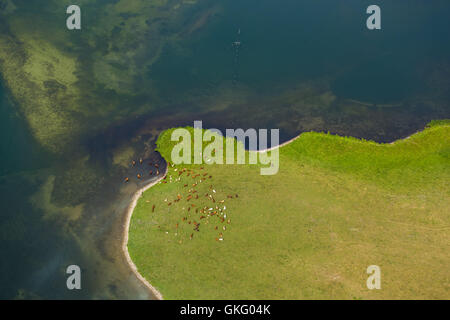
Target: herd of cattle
x: 196, y: 204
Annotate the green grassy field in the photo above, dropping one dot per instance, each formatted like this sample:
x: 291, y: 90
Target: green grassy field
x: 336, y: 206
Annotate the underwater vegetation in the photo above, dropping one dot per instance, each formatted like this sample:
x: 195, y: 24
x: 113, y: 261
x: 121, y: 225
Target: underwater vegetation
x: 69, y: 85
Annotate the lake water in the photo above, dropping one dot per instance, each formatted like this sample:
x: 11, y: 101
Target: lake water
x: 293, y: 56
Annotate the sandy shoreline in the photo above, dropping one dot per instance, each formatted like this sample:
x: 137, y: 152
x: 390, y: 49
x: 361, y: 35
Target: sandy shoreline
x: 129, y: 213
x: 278, y: 146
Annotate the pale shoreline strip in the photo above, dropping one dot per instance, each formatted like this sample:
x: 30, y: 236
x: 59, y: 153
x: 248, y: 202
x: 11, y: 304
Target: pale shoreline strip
x: 129, y: 213
x: 279, y: 146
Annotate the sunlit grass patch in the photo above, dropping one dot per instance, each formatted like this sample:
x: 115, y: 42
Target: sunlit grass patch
x: 336, y: 206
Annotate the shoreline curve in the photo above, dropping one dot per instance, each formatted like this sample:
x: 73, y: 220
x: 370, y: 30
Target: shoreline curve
x: 129, y: 213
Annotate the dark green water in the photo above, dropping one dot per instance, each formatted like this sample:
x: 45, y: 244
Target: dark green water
x: 322, y: 46
x: 303, y: 40
x: 17, y: 149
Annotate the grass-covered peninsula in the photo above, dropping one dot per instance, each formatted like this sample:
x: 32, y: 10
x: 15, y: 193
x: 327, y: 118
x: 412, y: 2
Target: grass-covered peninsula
x: 336, y: 206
